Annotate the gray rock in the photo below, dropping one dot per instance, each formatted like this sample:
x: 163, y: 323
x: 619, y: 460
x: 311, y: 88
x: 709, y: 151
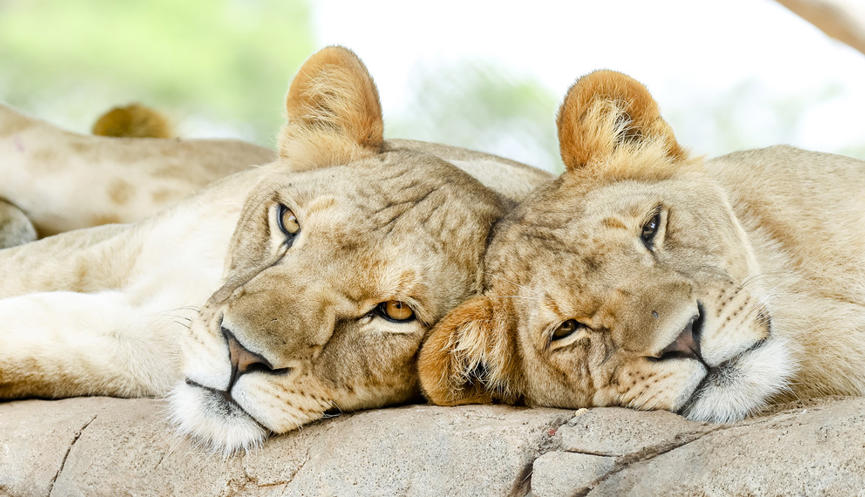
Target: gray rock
x: 557, y: 474
x: 813, y: 451
x: 614, y: 431
x: 101, y: 446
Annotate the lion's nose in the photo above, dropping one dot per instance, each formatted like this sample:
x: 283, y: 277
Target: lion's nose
x: 687, y: 344
x: 244, y: 360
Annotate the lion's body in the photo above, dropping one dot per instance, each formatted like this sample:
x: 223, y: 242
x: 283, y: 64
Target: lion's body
x: 804, y: 213
x: 65, y: 181
x: 253, y: 328
x: 98, y: 310
x: 649, y: 279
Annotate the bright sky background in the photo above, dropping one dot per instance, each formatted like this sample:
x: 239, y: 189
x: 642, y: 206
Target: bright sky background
x: 688, y: 53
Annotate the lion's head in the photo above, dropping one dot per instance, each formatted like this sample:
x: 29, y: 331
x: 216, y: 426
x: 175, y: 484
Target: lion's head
x: 626, y: 282
x: 342, y: 259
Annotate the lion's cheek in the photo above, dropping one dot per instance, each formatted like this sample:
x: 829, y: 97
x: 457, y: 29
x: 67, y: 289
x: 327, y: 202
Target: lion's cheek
x: 649, y: 385
x: 282, y: 404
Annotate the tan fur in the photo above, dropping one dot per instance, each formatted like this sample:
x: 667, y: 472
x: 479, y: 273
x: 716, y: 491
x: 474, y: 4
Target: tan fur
x: 64, y: 181
x: 329, y: 108
x: 762, y: 252
x: 133, y: 121
x: 145, y: 309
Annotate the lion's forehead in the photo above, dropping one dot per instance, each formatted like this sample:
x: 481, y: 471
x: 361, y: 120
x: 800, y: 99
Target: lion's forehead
x: 400, y: 191
x: 404, y: 211
x: 570, y: 239
x: 398, y: 230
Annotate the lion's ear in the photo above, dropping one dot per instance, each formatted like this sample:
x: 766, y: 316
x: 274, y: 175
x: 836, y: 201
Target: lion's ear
x: 605, y: 111
x: 468, y: 357
x: 333, y: 110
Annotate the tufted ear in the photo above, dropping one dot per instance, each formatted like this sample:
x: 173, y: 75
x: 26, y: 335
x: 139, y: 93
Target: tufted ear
x: 333, y: 110
x: 605, y: 112
x: 468, y: 357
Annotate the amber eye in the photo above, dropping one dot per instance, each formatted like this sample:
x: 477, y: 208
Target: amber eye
x: 650, y: 229
x: 394, y: 310
x: 287, y: 221
x: 566, y: 329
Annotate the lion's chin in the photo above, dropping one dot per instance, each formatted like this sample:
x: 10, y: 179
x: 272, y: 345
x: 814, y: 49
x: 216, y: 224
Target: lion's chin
x: 743, y: 384
x: 209, y: 418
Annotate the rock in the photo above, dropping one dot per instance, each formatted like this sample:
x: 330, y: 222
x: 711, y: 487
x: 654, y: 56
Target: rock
x: 815, y: 451
x: 102, y: 446
x: 557, y: 474
x: 613, y: 431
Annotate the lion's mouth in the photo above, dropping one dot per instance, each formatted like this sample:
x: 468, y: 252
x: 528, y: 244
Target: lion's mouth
x: 727, y: 373
x: 221, y: 402
x: 724, y: 375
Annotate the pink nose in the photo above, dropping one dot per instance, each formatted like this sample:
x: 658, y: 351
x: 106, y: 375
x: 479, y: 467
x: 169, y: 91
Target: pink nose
x: 687, y: 344
x: 245, y: 361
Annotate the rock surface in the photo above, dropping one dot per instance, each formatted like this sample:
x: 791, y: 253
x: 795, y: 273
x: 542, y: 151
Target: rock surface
x: 102, y: 446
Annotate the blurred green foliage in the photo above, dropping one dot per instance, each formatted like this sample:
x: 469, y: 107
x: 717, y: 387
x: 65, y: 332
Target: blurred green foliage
x: 224, y: 61
x: 482, y: 106
x: 222, y: 67
x: 748, y: 115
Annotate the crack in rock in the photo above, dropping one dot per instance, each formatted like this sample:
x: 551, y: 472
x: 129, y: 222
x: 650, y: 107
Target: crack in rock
x: 523, y: 483
x: 299, y: 468
x: 238, y: 487
x: 66, y: 455
x: 647, y: 454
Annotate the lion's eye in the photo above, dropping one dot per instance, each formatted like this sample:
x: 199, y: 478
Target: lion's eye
x: 287, y: 222
x: 650, y: 229
x: 566, y: 329
x: 396, y: 311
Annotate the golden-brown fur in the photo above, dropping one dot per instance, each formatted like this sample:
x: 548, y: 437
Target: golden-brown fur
x: 330, y: 112
x: 648, y: 279
x: 165, y: 305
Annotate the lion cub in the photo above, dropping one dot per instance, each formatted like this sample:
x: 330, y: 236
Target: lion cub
x: 647, y: 278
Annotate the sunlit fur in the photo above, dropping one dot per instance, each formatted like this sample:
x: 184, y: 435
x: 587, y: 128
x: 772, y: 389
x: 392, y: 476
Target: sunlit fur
x: 139, y: 310
x: 769, y: 244
x: 64, y: 181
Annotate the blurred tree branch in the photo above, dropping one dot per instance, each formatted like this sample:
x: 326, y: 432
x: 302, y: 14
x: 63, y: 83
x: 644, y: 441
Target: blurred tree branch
x: 843, y: 20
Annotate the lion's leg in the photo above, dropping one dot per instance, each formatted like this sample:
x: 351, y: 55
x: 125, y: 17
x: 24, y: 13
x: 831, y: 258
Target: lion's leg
x: 15, y: 227
x: 62, y: 344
